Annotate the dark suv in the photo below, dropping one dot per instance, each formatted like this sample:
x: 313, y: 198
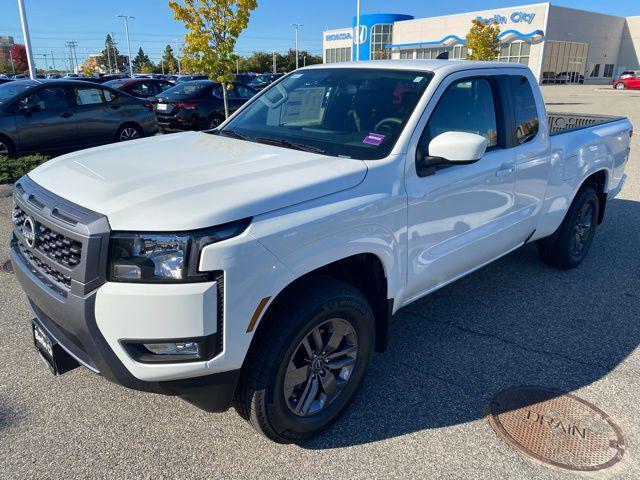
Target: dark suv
x: 58, y: 115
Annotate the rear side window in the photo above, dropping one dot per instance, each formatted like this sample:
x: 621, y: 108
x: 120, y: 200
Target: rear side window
x: 91, y: 96
x: 525, y: 110
x: 466, y: 106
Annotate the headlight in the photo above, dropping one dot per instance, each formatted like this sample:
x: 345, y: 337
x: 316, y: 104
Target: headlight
x: 164, y: 257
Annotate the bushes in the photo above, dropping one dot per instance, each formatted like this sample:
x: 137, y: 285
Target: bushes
x: 11, y: 169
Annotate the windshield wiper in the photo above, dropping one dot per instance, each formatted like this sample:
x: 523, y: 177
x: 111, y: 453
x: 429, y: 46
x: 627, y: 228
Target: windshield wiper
x: 279, y: 142
x: 232, y: 134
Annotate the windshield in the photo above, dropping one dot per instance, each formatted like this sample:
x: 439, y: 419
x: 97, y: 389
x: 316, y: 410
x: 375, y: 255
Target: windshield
x: 115, y: 83
x: 350, y: 112
x: 11, y: 89
x: 187, y: 88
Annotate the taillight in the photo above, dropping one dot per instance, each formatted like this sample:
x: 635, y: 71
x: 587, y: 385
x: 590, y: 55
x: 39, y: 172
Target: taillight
x: 149, y: 106
x: 187, y: 106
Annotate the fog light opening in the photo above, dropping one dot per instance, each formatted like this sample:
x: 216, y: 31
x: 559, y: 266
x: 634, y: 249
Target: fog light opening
x: 173, y: 348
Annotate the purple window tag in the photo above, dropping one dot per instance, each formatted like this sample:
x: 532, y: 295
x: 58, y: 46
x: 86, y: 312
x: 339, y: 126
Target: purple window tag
x: 373, y: 139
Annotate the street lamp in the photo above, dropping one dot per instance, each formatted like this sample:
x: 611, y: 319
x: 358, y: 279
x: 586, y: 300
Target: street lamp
x: 297, y: 26
x: 178, y: 57
x: 357, y: 30
x: 27, y: 39
x: 126, y: 30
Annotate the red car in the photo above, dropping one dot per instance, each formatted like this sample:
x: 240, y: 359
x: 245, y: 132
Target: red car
x: 633, y: 82
x: 140, y: 87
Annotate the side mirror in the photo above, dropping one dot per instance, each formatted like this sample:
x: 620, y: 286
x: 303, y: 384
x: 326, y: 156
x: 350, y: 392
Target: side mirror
x: 451, y: 148
x: 29, y: 109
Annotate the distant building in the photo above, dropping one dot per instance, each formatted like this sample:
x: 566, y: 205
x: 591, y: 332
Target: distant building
x: 560, y: 45
x: 6, y: 42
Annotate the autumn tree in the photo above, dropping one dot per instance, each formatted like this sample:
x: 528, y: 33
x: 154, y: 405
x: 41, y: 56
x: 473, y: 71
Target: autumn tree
x: 19, y: 55
x: 482, y: 41
x: 88, y: 67
x: 213, y: 27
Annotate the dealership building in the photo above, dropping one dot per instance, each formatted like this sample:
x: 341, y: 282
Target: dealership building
x: 560, y: 45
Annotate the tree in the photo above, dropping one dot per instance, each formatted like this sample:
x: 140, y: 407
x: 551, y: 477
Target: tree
x: 141, y: 62
x: 213, y: 27
x: 288, y: 62
x: 19, y: 55
x: 110, y: 59
x: 169, y: 61
x: 88, y: 67
x: 482, y: 41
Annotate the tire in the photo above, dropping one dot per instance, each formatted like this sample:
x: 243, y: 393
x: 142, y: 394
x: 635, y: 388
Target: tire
x: 568, y: 247
x: 620, y: 86
x: 269, y: 395
x: 214, y: 122
x: 128, y: 132
x: 6, y: 147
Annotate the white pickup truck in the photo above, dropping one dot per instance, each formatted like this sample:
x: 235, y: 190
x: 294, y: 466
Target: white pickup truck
x: 258, y: 265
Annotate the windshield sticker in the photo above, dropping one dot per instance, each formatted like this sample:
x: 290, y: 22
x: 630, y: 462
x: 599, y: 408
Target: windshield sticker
x: 418, y: 79
x: 373, y: 139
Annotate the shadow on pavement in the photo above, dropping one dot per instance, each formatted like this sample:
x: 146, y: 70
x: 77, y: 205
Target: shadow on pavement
x: 515, y: 322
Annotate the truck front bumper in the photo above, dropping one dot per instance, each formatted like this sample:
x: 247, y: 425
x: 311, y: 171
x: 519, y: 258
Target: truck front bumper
x: 91, y: 327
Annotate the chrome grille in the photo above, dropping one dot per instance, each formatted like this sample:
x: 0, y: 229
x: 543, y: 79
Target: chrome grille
x: 54, y: 245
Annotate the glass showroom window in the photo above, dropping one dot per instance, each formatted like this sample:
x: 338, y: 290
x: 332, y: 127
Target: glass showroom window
x: 335, y: 55
x: 381, y: 36
x: 457, y: 52
x: 608, y: 70
x: 515, y: 52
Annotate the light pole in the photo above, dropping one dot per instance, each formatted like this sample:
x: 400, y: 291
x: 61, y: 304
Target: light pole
x: 274, y: 62
x: 297, y: 26
x: 27, y: 39
x: 357, y: 30
x: 126, y: 31
x: 53, y: 60
x: 13, y: 67
x: 46, y: 67
x: 178, y: 58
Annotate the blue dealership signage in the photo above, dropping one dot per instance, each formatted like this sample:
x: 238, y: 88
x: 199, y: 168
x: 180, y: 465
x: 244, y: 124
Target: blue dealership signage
x: 515, y: 17
x: 367, y: 22
x: 332, y: 37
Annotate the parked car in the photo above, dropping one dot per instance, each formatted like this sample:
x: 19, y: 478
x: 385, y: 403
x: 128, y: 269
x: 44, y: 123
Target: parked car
x: 295, y: 231
x: 5, y: 80
x: 54, y: 115
x: 262, y: 81
x: 190, y: 78
x: 140, y: 87
x: 628, y: 82
x: 628, y: 74
x: 197, y: 105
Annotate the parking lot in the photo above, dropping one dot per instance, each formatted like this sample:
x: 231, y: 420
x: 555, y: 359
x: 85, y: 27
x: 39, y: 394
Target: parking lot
x: 421, y: 413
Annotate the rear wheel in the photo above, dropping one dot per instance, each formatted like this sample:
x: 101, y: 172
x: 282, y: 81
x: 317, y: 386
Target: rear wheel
x: 309, y: 362
x: 128, y: 132
x: 215, y: 121
x: 568, y: 247
x: 6, y: 147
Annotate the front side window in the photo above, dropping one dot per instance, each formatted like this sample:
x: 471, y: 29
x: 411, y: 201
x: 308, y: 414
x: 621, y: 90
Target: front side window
x: 144, y: 88
x: 526, y: 112
x: 465, y: 106
x: 10, y: 90
x: 47, y: 98
x: 355, y: 113
x: 241, y: 91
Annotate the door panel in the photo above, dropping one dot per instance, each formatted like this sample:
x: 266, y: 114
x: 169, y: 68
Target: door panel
x: 461, y: 216
x: 51, y: 128
x: 98, y: 114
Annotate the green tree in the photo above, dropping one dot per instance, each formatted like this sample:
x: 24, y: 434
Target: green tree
x: 110, y: 59
x: 141, y: 62
x: 213, y: 27
x: 482, y: 41
x: 287, y: 62
x: 169, y: 61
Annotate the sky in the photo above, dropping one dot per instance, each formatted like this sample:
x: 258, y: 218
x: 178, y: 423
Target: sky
x: 52, y: 23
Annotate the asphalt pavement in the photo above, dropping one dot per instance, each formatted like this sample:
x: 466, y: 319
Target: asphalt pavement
x: 421, y: 411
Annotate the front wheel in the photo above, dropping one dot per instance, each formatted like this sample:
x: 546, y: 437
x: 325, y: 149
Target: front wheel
x: 620, y: 86
x: 215, y: 121
x: 309, y: 362
x: 568, y: 247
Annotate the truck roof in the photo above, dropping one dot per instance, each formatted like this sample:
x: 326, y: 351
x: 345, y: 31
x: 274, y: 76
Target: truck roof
x: 420, y: 65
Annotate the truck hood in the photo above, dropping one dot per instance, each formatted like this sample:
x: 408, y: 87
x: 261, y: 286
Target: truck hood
x: 192, y: 180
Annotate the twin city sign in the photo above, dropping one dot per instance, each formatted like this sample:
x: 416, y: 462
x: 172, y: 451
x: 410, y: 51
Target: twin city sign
x: 515, y: 17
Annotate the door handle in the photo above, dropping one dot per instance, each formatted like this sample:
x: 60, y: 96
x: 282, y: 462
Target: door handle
x: 503, y: 172
x: 66, y: 114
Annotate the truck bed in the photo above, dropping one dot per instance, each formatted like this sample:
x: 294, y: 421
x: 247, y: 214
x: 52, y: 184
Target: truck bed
x: 566, y: 122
